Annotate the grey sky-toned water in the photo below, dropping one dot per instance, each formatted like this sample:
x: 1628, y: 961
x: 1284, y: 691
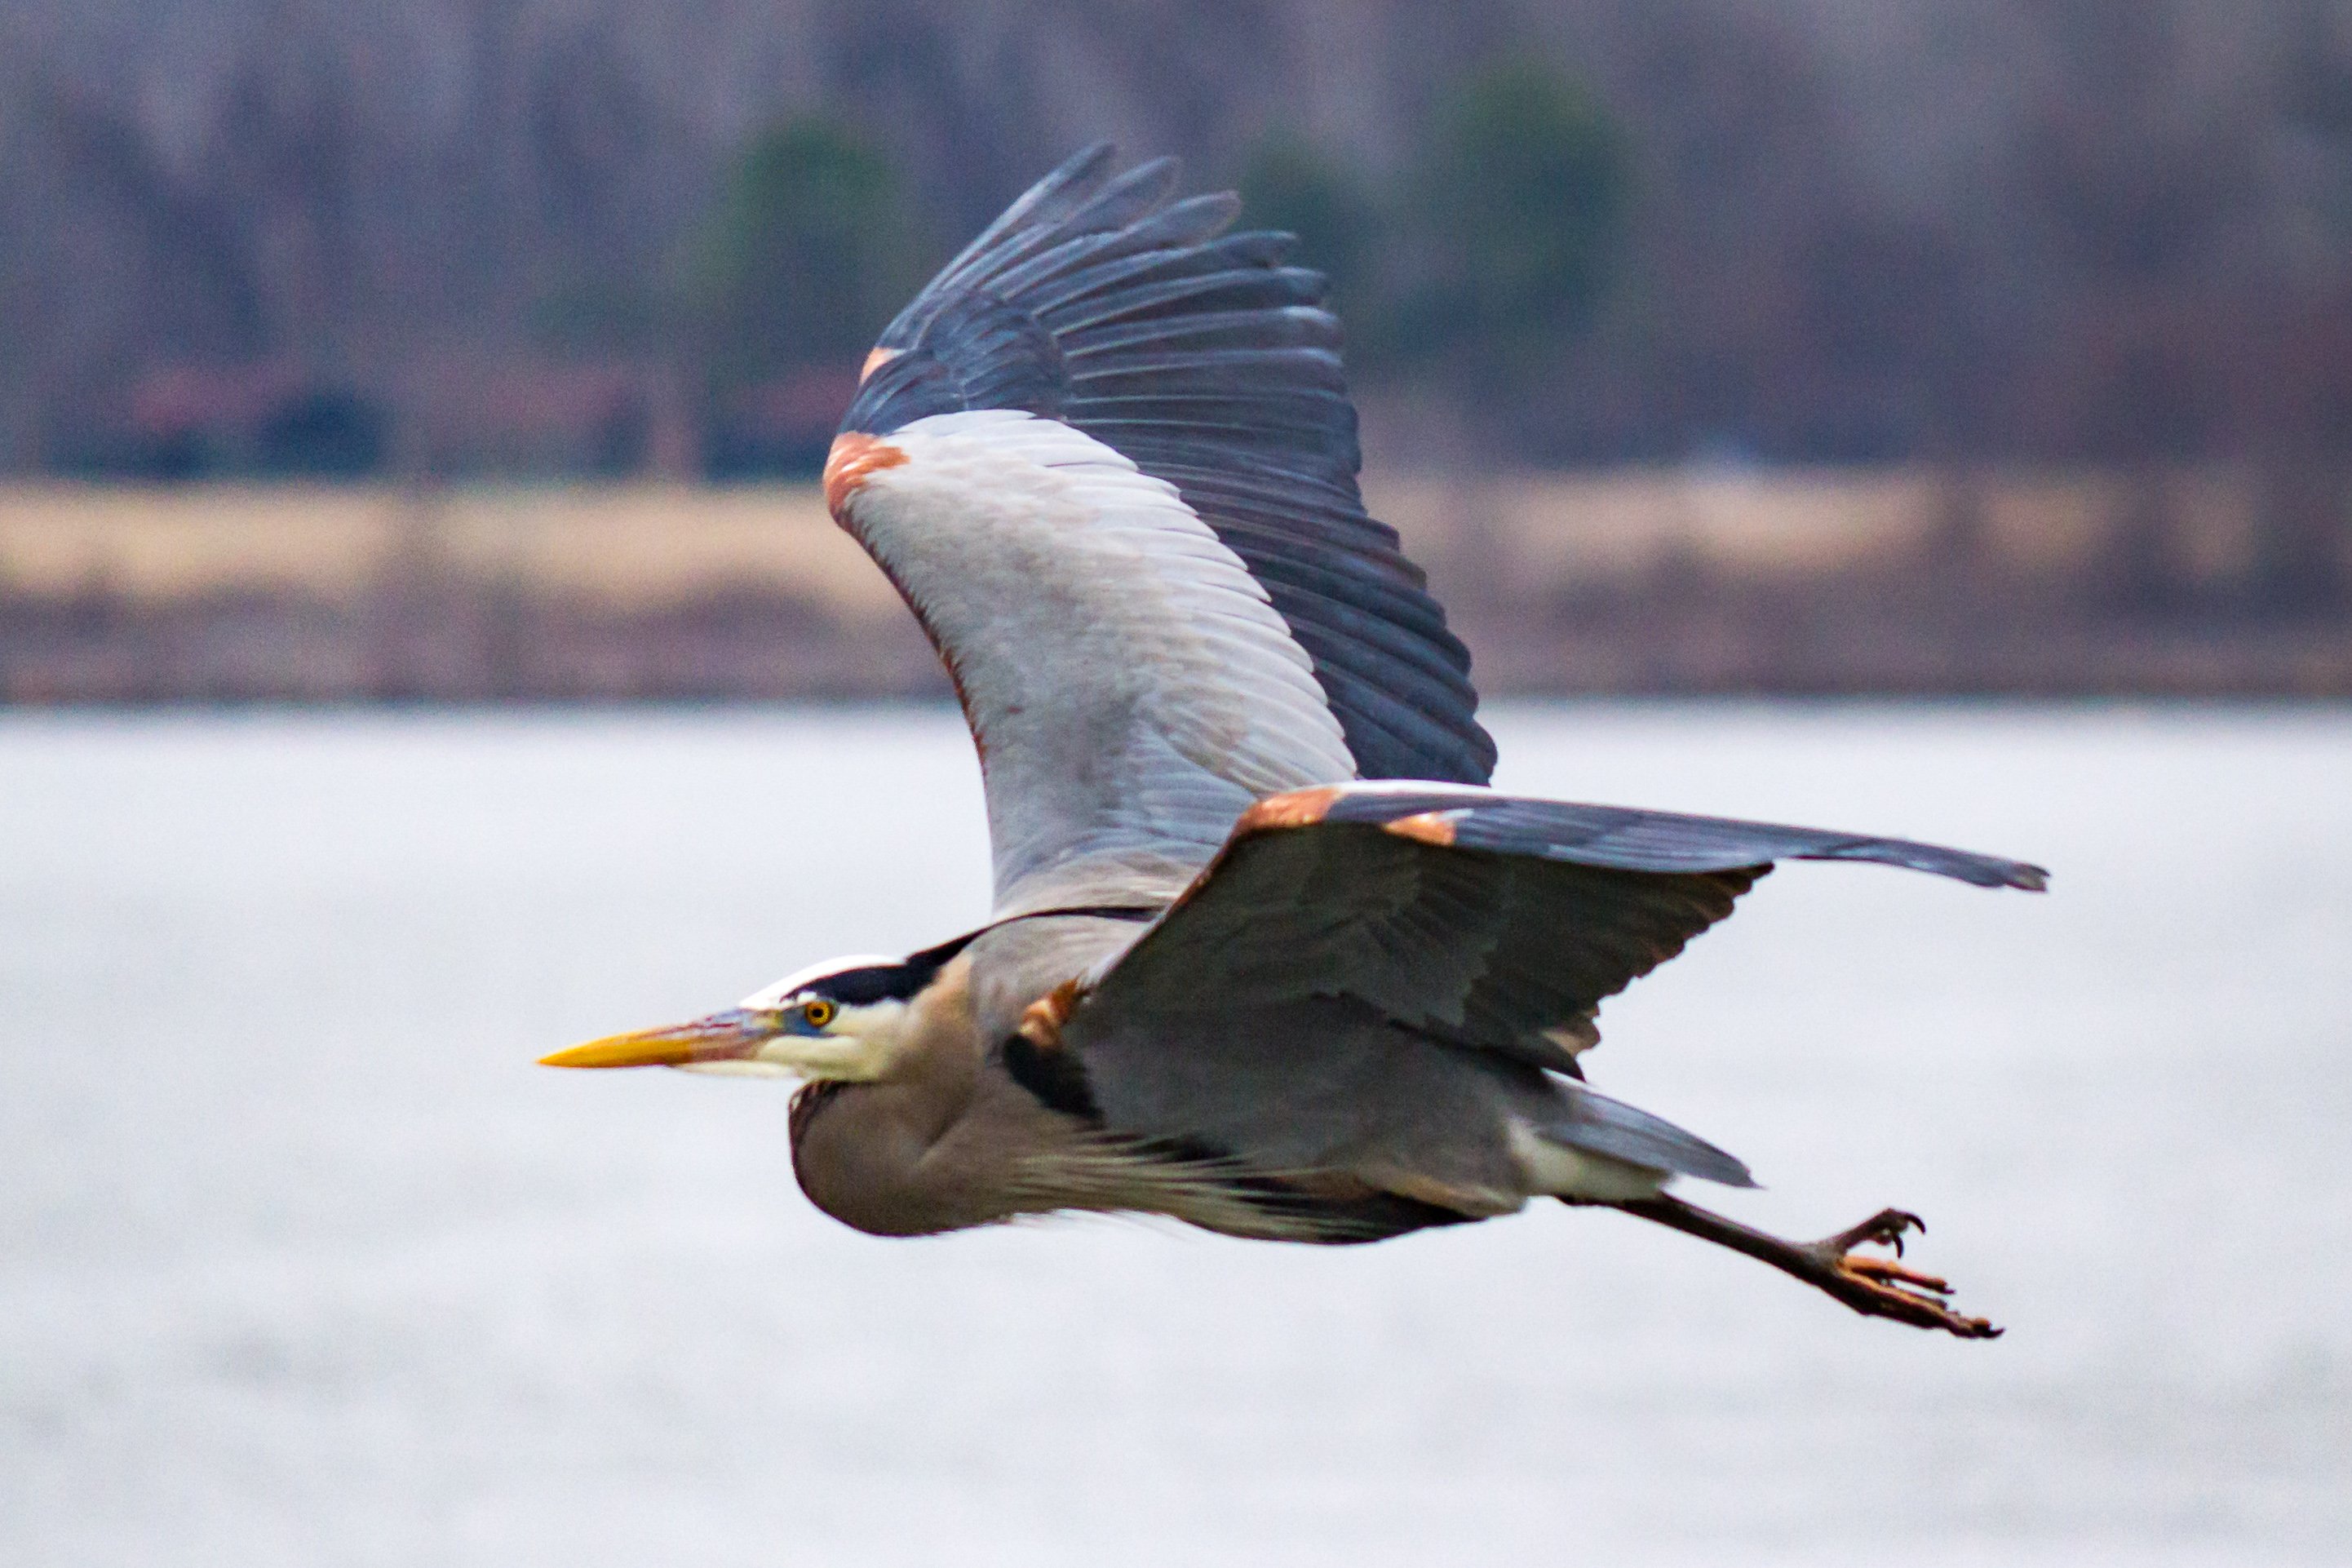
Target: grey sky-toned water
x: 303, y: 1262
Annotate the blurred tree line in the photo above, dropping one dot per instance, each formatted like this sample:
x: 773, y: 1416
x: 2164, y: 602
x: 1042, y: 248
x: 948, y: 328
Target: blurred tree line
x: 443, y: 236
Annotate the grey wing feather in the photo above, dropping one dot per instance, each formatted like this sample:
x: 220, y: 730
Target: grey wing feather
x: 1128, y: 686
x: 1484, y: 918
x: 1486, y: 951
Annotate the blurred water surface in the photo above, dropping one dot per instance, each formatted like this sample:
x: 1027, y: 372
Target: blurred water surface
x: 302, y: 1262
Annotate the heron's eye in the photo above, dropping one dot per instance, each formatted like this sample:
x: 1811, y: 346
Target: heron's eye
x: 818, y: 1013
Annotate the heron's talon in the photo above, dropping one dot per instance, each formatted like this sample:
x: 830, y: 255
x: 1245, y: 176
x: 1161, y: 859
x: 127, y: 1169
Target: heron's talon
x: 1883, y: 1287
x: 1885, y: 1228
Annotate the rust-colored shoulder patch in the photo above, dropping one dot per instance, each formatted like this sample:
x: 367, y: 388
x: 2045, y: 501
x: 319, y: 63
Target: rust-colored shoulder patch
x: 1041, y: 1024
x: 1292, y: 808
x: 1428, y: 826
x: 875, y: 360
x: 853, y: 459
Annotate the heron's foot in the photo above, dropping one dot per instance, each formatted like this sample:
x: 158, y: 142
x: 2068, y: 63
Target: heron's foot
x: 1882, y: 1288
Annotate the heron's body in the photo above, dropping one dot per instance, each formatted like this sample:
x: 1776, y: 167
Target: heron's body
x: 929, y: 1130
x: 1266, y: 954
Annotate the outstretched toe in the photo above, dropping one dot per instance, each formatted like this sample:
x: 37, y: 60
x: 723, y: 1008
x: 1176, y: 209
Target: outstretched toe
x: 1890, y: 1273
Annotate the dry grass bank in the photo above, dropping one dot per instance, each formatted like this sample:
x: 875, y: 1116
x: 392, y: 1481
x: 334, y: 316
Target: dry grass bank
x: 639, y: 545
x: 1834, y: 580
x: 628, y: 546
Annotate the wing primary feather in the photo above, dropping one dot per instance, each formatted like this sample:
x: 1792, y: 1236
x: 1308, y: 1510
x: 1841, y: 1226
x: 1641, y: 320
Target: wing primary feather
x: 1038, y: 209
x: 1247, y: 289
x: 1100, y: 212
x: 1061, y: 289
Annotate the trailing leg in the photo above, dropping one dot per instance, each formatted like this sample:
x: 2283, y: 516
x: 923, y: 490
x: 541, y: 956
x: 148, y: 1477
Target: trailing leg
x: 1875, y: 1286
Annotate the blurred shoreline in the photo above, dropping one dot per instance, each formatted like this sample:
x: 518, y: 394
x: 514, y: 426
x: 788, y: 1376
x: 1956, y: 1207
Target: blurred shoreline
x: 2211, y: 582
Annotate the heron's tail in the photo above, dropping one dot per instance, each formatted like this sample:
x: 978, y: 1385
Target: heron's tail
x: 1592, y: 1124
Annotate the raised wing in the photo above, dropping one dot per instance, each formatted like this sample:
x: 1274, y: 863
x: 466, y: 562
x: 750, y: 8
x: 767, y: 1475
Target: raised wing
x: 1419, y: 946
x: 1108, y: 457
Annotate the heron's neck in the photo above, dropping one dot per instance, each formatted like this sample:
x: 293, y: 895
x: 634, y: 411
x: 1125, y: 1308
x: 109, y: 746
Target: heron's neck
x: 863, y: 1150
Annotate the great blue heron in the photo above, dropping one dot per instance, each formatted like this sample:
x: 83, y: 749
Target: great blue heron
x: 1266, y: 956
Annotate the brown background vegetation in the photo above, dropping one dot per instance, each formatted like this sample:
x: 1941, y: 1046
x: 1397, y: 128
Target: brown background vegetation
x: 1847, y: 230
x: 2057, y: 295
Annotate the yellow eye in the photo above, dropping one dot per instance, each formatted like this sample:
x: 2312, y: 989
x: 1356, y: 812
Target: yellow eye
x: 817, y: 1014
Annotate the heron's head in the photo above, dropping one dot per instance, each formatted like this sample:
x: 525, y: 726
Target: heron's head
x: 841, y: 1021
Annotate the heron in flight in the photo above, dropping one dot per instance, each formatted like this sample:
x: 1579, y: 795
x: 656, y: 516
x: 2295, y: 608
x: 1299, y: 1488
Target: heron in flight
x: 1266, y: 954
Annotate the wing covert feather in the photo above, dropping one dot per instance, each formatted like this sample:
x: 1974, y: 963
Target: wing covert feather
x: 1129, y: 687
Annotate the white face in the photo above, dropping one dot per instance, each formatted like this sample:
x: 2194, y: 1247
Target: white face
x: 814, y: 1037
x: 789, y: 1029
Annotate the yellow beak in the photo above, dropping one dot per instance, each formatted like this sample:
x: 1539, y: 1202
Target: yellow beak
x: 734, y: 1033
